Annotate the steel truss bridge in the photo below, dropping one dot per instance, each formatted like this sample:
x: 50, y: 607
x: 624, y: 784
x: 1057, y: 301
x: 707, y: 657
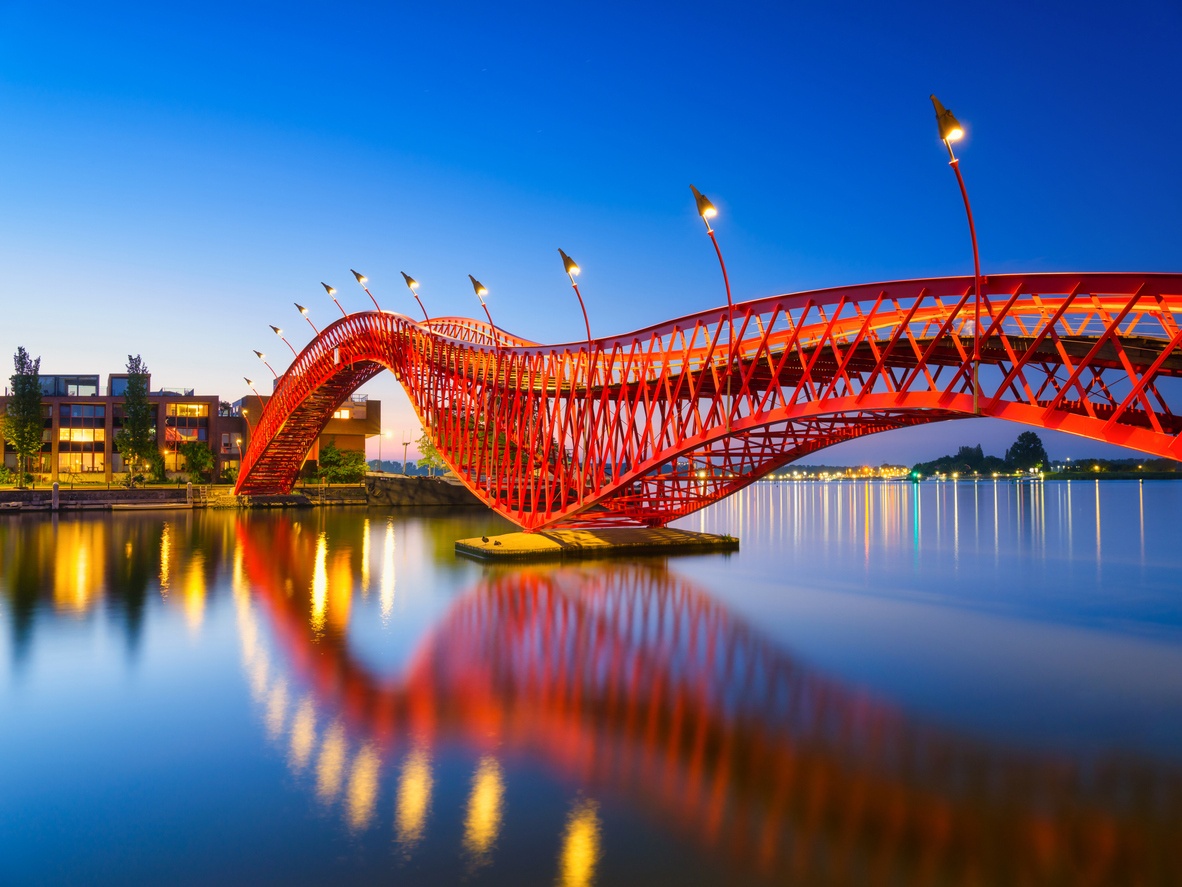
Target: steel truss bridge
x: 644, y: 428
x: 643, y: 686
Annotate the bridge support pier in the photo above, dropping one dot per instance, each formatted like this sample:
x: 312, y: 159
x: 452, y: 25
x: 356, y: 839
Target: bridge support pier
x: 590, y: 543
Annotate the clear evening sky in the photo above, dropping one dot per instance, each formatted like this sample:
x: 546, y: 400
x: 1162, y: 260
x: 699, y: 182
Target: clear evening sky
x: 173, y: 177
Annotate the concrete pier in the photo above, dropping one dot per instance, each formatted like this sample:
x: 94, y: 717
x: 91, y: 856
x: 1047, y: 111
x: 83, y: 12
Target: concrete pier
x: 401, y: 491
x: 573, y: 544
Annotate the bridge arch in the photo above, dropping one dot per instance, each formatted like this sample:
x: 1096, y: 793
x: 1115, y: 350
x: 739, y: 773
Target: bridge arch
x: 657, y: 423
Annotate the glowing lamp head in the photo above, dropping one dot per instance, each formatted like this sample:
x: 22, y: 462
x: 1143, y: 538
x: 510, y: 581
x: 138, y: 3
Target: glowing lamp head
x: 410, y: 281
x: 481, y: 290
x: 260, y: 355
x: 248, y: 381
x: 569, y: 264
x: 301, y: 308
x: 331, y: 290
x: 361, y: 278
x: 949, y: 126
x: 705, y: 208
x: 278, y: 331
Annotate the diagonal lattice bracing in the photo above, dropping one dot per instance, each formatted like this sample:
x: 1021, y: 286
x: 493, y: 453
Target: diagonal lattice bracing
x: 658, y: 423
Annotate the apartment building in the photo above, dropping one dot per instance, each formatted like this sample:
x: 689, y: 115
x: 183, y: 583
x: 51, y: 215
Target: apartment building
x: 81, y: 421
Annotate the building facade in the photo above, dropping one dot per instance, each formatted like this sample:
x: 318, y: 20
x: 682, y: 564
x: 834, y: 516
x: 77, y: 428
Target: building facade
x: 81, y: 422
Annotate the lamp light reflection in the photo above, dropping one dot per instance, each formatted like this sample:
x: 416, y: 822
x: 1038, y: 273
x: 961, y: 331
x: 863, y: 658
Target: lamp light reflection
x: 580, y: 847
x: 363, y: 788
x: 483, y: 821
x: 303, y: 736
x: 331, y: 764
x: 320, y: 583
x: 414, y: 797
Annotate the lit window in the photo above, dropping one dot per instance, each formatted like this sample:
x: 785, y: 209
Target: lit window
x: 342, y: 414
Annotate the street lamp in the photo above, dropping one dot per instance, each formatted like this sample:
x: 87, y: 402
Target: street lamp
x: 362, y: 279
x: 263, y: 358
x: 332, y: 292
x: 481, y: 292
x: 413, y: 285
x: 951, y: 131
x: 405, y: 444
x: 571, y: 267
x: 707, y: 211
x: 279, y: 333
x: 304, y: 311
x: 572, y: 271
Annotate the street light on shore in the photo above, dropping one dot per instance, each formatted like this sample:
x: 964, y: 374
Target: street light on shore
x: 363, y: 280
x: 951, y: 131
x: 279, y: 333
x: 413, y: 286
x: 304, y: 311
x: 332, y: 292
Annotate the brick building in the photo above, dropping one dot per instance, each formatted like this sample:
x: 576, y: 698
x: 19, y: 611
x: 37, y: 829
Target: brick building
x: 81, y: 422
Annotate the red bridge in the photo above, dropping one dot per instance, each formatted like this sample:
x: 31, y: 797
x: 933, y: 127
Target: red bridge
x: 655, y: 424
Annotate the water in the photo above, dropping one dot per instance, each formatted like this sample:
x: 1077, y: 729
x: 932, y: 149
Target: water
x: 954, y: 683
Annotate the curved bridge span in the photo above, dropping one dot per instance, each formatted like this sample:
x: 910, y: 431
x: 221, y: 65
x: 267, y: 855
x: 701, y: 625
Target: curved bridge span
x: 652, y: 425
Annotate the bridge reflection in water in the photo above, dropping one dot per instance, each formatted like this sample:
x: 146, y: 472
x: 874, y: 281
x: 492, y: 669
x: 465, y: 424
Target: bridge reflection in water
x: 628, y: 680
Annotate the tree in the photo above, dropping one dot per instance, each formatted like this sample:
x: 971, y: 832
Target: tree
x: 136, y: 440
x: 23, y: 424
x: 337, y: 467
x: 430, y: 456
x: 1027, y: 452
x: 198, y: 460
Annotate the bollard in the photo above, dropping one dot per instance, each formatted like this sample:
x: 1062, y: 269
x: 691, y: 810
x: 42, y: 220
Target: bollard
x: 54, y: 502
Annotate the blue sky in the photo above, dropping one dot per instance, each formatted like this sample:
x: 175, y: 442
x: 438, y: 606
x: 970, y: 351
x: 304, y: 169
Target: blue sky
x: 173, y: 179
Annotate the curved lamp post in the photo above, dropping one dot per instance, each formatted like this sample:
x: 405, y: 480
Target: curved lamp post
x: 332, y: 292
x: 572, y: 270
x: 279, y: 333
x: 304, y: 311
x: 363, y: 280
x: 245, y: 417
x: 707, y: 211
x: 481, y: 292
x: 263, y: 358
x: 413, y: 286
x: 951, y: 131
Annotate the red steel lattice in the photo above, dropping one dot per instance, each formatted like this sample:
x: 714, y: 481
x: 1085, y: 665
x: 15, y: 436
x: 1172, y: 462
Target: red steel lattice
x: 655, y: 424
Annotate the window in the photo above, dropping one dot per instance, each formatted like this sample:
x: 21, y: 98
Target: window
x: 343, y: 413
x: 190, y: 410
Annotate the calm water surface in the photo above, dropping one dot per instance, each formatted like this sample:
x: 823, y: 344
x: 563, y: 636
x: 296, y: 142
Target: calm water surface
x: 951, y: 683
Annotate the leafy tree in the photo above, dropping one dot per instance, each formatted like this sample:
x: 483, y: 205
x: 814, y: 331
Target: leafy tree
x: 966, y: 461
x: 136, y: 440
x: 1027, y: 452
x: 198, y: 460
x: 337, y: 467
x: 431, y: 458
x: 22, y: 422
